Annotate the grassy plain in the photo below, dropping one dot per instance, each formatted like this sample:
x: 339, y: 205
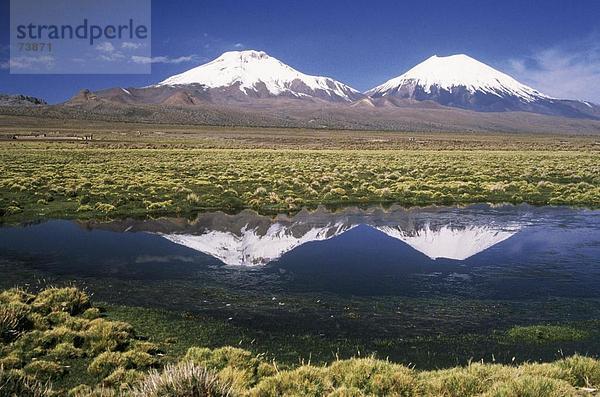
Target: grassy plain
x: 140, y: 170
x: 153, y: 170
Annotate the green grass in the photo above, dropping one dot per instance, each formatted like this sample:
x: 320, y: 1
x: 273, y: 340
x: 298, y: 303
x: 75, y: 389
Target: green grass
x: 57, y: 341
x: 546, y: 333
x: 56, y: 181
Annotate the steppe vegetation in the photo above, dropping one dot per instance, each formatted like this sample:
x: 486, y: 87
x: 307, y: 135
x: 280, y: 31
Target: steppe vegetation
x: 57, y: 343
x: 54, y: 181
x: 133, y: 169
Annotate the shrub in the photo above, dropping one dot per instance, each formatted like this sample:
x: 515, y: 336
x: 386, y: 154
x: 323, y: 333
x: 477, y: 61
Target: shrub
x: 10, y: 361
x: 182, y: 380
x: 238, y: 367
x: 346, y: 392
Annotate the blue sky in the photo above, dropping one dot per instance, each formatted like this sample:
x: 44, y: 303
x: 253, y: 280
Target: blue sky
x: 551, y: 45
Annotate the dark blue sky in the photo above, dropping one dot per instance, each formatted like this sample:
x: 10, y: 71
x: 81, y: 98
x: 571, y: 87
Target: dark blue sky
x: 357, y: 42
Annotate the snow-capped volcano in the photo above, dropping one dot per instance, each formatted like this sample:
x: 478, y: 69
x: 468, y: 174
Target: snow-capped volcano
x: 256, y: 73
x: 461, y: 81
x: 453, y: 72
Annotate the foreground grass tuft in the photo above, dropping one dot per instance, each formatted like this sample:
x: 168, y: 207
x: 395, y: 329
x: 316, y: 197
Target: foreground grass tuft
x: 185, y: 379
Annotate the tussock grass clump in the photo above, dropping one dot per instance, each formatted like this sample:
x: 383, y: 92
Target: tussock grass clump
x: 70, y: 300
x: 581, y: 371
x: 373, y: 377
x: 182, y: 380
x: 13, y: 320
x: 17, y: 384
x: 303, y: 381
x: 102, y: 335
x: 42, y: 369
x: 532, y: 386
x: 43, y: 336
x: 238, y: 367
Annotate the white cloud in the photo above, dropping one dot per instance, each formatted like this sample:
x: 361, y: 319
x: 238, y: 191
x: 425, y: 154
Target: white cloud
x: 568, y: 71
x: 128, y: 45
x: 26, y: 63
x: 162, y: 59
x: 109, y: 53
x: 238, y: 45
x: 105, y: 46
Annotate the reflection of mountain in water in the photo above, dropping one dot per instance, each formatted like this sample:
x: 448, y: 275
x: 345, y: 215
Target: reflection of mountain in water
x: 250, y: 239
x: 249, y: 247
x: 449, y: 242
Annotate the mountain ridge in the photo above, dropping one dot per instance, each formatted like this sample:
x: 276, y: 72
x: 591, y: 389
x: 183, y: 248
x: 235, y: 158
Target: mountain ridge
x: 255, y: 79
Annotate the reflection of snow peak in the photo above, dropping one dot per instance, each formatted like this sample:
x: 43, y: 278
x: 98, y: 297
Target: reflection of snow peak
x: 451, y: 243
x: 249, y: 248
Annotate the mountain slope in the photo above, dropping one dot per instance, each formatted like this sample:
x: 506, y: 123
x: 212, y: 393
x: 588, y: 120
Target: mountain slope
x: 255, y: 73
x: 251, y: 88
x: 464, y: 82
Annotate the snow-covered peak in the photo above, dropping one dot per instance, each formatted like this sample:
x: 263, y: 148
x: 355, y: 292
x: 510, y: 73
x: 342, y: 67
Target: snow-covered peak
x: 251, y: 69
x: 452, y: 243
x: 458, y: 71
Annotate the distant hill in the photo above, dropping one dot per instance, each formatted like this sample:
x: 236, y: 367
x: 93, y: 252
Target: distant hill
x: 20, y: 100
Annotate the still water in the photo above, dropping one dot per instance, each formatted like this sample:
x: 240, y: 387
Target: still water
x: 500, y: 252
x: 400, y: 272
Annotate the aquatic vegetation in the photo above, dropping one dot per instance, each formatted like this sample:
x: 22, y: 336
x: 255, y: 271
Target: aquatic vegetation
x: 544, y: 333
x: 67, y: 182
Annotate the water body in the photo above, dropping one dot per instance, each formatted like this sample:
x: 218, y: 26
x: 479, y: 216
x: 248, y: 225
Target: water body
x: 402, y: 272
